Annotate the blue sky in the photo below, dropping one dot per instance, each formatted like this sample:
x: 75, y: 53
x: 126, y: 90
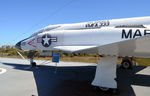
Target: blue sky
x: 20, y: 18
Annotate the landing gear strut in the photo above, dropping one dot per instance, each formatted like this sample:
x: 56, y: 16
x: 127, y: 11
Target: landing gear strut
x: 31, y: 57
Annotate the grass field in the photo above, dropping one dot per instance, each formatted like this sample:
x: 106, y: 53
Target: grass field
x: 143, y: 61
x: 89, y: 59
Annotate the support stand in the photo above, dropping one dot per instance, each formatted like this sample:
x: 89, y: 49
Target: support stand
x: 106, y: 73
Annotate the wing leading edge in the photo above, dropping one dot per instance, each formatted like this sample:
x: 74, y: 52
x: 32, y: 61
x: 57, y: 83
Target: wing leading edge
x: 73, y: 48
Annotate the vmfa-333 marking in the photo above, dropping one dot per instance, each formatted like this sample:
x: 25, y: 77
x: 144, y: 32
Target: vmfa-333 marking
x: 108, y: 38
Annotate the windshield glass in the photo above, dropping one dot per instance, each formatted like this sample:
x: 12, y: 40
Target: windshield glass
x: 47, y: 28
x: 40, y: 31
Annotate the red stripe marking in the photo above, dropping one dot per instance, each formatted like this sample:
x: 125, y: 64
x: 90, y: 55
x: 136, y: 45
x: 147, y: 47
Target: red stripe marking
x: 30, y: 43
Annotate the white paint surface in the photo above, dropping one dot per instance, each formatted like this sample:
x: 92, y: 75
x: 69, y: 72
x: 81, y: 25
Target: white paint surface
x: 2, y: 71
x: 141, y: 90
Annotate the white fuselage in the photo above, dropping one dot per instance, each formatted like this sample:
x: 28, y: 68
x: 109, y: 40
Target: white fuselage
x: 95, y: 33
x: 97, y: 37
x: 96, y: 24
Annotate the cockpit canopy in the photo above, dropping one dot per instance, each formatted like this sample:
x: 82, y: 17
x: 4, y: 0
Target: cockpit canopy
x: 47, y: 28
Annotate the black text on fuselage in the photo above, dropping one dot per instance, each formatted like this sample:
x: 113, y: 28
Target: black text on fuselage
x: 126, y: 34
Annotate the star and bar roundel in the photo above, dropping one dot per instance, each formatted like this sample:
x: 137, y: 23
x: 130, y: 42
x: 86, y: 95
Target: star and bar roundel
x: 46, y: 40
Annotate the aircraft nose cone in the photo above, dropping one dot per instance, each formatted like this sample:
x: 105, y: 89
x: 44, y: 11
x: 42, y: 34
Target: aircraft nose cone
x: 18, y: 45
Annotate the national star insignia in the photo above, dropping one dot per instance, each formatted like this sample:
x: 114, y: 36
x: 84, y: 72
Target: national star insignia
x: 46, y: 40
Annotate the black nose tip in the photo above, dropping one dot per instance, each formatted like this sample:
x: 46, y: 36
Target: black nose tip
x: 18, y: 45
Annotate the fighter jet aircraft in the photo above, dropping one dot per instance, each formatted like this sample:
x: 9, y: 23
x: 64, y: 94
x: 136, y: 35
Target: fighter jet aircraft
x: 109, y: 39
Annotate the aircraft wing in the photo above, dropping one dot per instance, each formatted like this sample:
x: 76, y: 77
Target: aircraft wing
x: 139, y: 47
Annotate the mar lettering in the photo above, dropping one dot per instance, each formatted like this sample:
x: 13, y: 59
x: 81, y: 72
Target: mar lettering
x: 134, y: 34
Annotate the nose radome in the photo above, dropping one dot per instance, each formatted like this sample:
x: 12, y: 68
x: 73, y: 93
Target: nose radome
x: 18, y: 45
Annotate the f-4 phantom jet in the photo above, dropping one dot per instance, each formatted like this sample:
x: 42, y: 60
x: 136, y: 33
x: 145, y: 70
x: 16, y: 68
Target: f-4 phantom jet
x: 109, y: 39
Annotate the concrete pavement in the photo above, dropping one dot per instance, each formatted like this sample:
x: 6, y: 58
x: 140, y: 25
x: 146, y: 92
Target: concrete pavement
x: 70, y: 79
